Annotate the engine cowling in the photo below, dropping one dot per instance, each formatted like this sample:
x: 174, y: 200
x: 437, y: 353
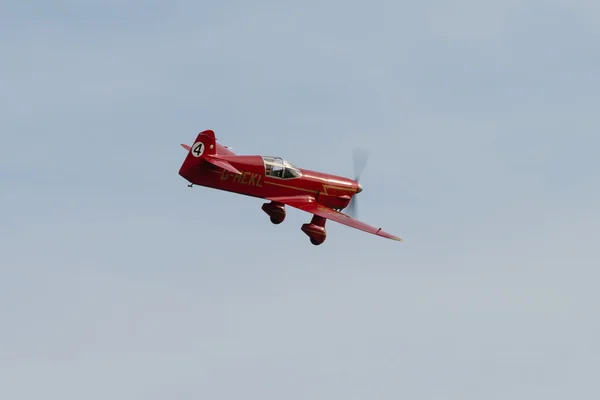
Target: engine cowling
x: 276, y: 211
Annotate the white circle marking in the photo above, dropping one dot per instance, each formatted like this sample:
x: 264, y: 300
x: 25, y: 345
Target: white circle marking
x: 198, y: 149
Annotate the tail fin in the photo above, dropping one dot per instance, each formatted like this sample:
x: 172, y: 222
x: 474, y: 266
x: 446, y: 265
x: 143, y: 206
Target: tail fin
x: 204, y: 145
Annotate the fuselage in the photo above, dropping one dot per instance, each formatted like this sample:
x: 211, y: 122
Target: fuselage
x: 258, y: 179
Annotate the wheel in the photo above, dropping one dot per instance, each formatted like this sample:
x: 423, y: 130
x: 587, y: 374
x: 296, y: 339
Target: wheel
x: 316, y: 242
x: 275, y: 211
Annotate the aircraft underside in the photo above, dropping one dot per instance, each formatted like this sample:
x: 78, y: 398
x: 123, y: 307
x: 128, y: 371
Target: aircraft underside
x: 315, y: 229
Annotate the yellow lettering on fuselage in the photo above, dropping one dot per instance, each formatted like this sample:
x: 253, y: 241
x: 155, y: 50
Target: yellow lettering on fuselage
x: 245, y: 178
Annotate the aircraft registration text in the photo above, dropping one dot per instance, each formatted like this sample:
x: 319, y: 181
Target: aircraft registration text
x: 245, y: 178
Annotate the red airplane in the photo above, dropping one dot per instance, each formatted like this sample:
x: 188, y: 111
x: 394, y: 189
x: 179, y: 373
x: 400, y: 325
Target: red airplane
x: 212, y: 165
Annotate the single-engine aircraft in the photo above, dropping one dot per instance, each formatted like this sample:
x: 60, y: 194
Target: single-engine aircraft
x: 215, y: 166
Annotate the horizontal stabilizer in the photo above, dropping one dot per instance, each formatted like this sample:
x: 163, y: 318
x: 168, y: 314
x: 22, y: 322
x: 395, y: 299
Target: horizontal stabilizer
x: 222, y: 164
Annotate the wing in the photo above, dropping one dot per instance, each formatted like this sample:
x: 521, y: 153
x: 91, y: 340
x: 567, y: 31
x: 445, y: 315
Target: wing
x: 309, y: 204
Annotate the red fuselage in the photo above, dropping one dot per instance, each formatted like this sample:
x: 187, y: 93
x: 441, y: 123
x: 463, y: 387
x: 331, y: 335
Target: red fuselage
x: 330, y: 190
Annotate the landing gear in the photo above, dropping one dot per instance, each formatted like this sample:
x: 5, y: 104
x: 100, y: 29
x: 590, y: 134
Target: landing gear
x: 316, y: 242
x: 276, y: 211
x: 190, y: 185
x: 315, y: 230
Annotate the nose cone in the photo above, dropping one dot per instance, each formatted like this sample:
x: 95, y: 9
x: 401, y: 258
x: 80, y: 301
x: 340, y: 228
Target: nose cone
x: 359, y: 188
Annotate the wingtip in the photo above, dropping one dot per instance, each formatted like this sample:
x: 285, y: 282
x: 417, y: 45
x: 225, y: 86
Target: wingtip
x: 386, y: 235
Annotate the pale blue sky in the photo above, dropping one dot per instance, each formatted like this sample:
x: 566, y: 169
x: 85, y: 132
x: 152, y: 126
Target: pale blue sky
x: 117, y: 281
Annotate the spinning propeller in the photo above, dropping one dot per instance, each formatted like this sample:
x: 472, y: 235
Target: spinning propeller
x: 360, y: 161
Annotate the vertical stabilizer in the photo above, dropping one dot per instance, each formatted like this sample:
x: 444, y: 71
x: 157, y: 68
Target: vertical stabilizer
x: 204, y: 145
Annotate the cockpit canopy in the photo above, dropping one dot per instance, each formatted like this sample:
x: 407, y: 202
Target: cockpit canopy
x: 276, y: 167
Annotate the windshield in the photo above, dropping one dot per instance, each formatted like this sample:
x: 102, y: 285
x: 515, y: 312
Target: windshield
x: 276, y: 167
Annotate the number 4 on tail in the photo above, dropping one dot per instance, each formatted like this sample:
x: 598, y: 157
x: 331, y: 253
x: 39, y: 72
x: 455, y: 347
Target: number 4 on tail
x: 198, y: 149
